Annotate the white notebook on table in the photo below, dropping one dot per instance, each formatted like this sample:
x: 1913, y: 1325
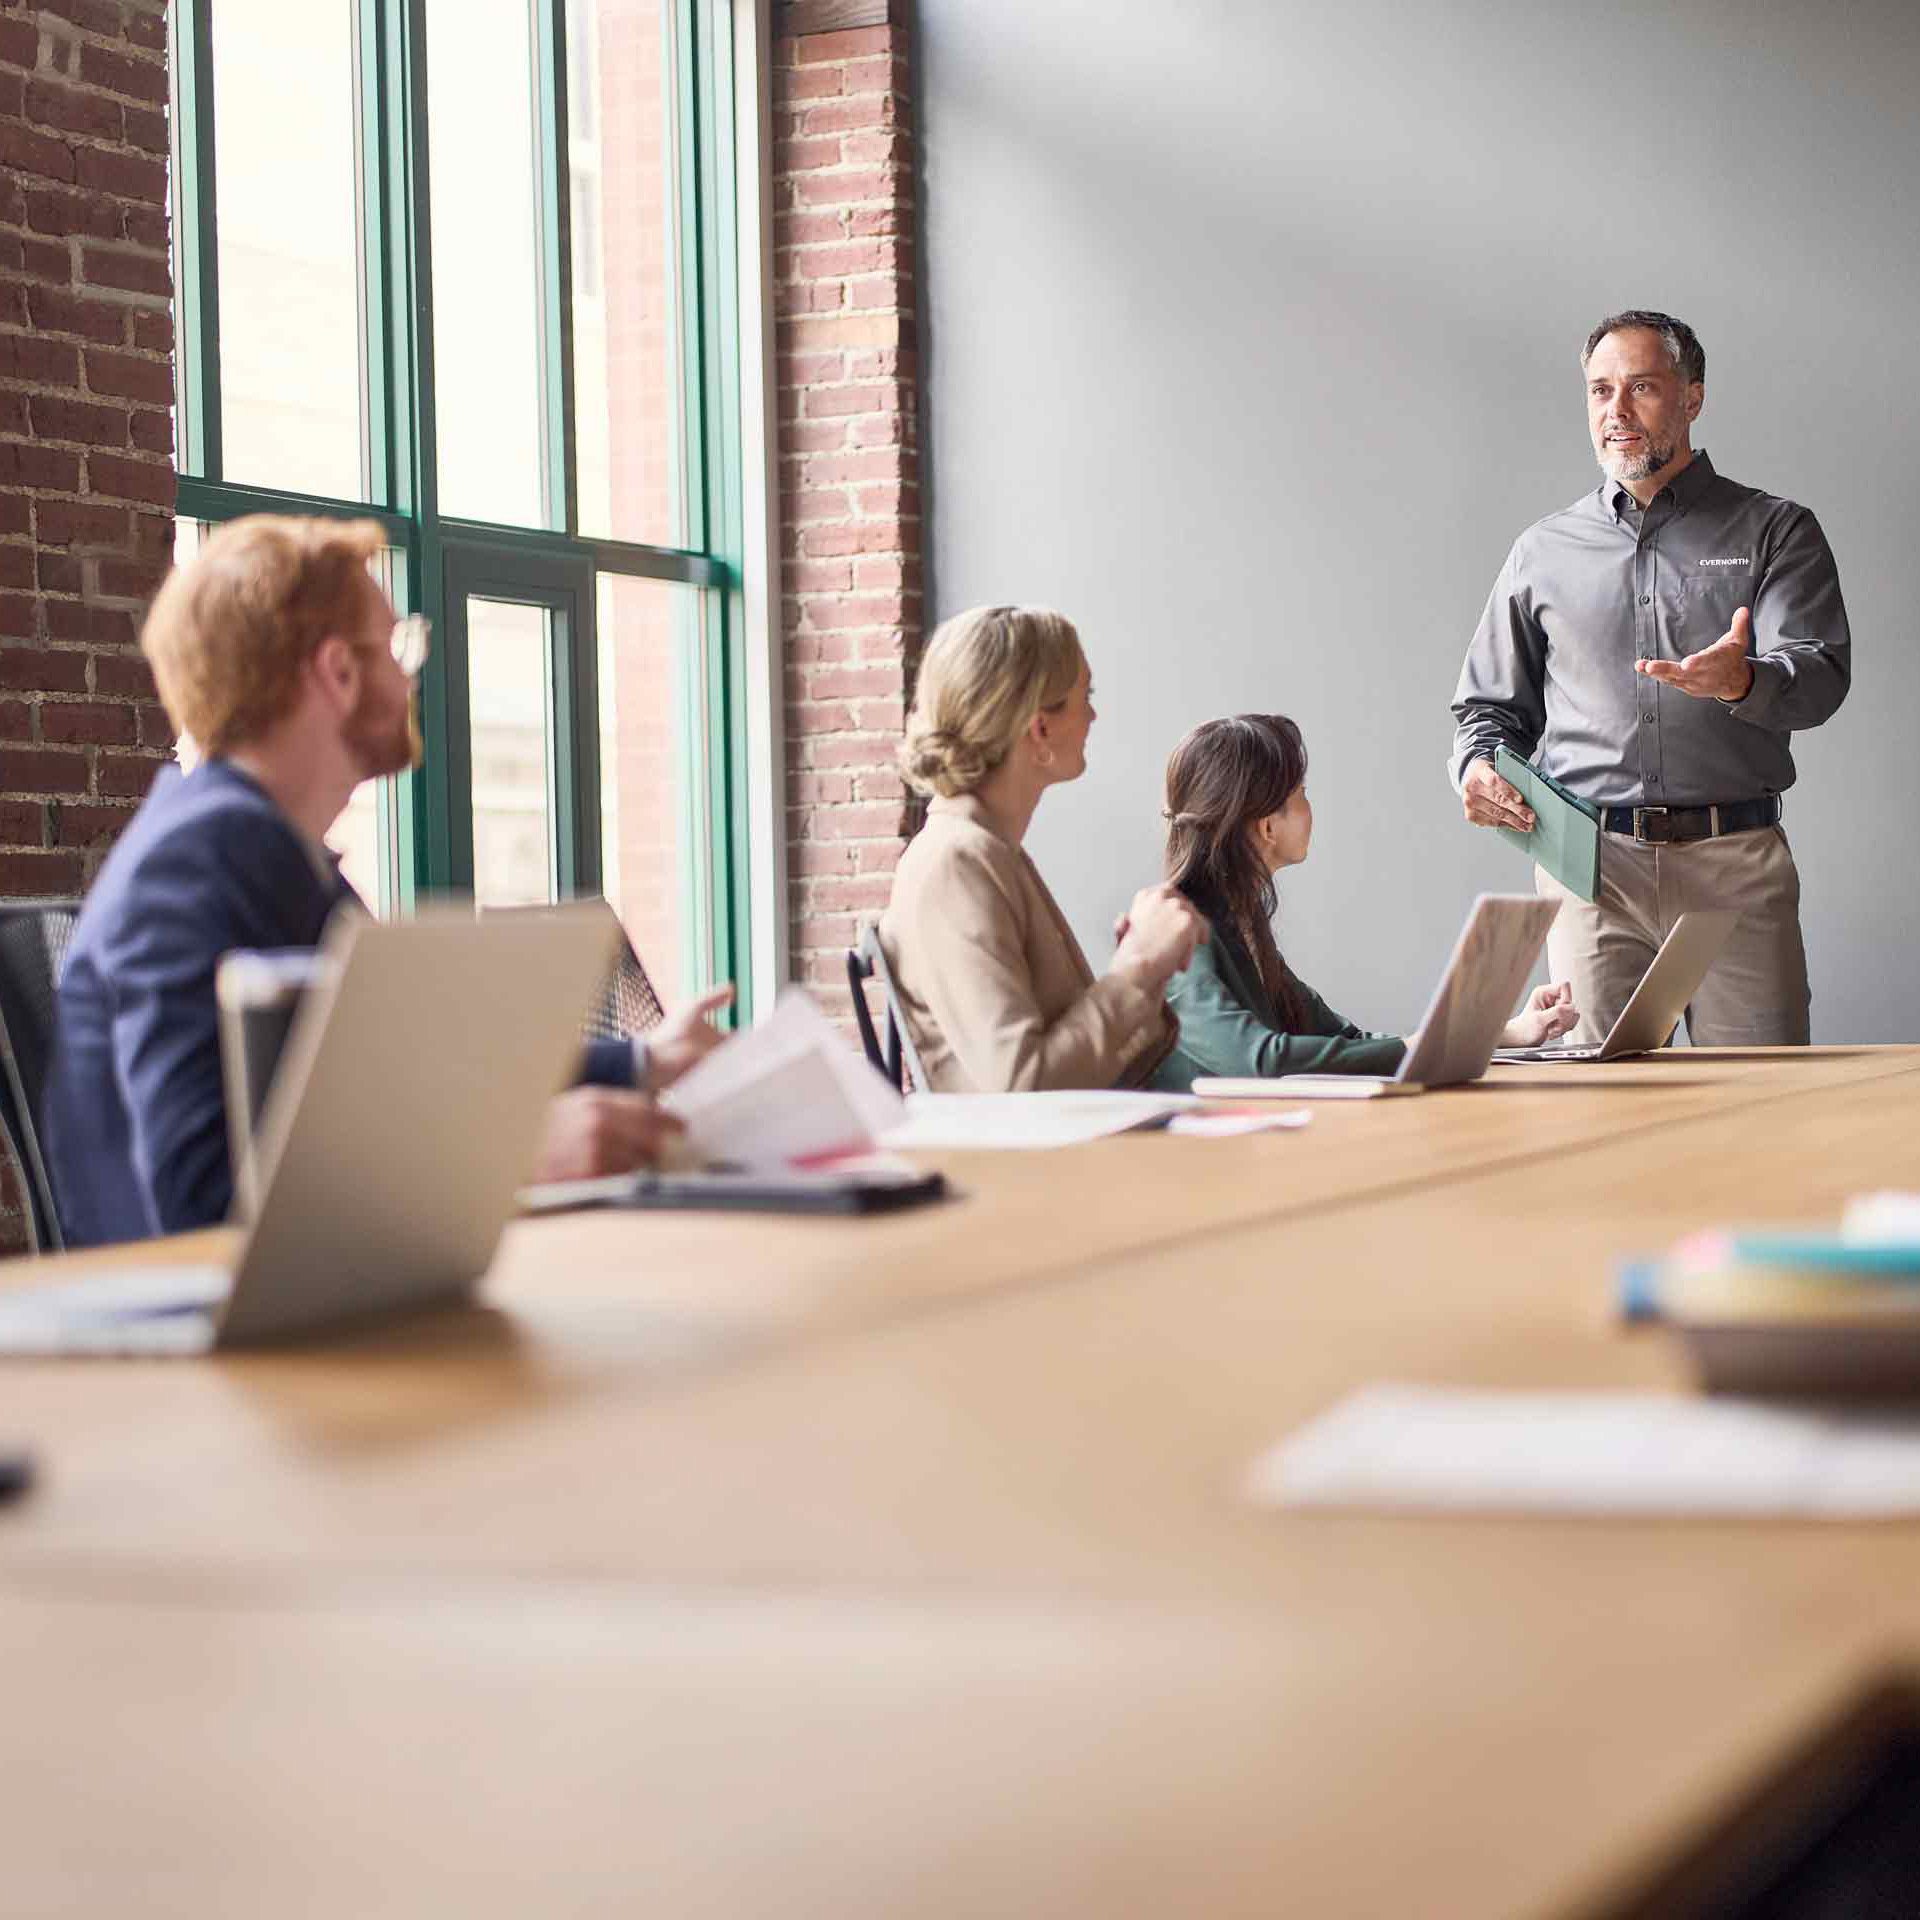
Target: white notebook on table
x: 1461, y: 1450
x: 1304, y: 1086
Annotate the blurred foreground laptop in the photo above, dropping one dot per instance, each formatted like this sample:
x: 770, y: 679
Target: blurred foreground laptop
x: 405, y: 1113
x: 1647, y: 1021
x: 1490, y: 964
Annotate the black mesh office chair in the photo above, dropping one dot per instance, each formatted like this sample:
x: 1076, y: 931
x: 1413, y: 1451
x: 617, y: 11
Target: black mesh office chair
x: 34, y: 938
x: 627, y: 1004
x: 900, y: 1062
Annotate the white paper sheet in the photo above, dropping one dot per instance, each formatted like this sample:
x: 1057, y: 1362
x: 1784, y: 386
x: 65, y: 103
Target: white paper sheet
x: 137, y: 1309
x: 789, y: 1089
x: 966, y: 1120
x: 1882, y: 1220
x: 1448, y: 1449
x: 1223, y: 1126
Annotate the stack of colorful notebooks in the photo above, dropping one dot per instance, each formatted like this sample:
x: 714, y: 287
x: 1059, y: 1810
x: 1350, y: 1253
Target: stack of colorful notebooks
x: 1803, y: 1313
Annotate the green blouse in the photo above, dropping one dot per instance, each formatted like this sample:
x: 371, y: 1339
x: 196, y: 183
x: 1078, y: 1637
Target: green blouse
x: 1229, y: 1025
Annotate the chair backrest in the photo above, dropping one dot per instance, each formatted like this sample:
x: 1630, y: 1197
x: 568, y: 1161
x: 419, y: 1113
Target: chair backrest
x: 901, y: 1060
x: 34, y: 938
x: 628, y: 1004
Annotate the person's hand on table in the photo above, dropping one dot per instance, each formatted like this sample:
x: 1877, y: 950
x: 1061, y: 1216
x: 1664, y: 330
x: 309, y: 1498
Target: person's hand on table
x: 1548, y: 1014
x: 1488, y: 801
x: 1719, y: 672
x: 594, y: 1131
x: 1157, y: 936
x: 685, y: 1036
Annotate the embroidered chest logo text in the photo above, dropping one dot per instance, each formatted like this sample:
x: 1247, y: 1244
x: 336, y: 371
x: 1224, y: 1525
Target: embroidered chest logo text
x: 1741, y: 560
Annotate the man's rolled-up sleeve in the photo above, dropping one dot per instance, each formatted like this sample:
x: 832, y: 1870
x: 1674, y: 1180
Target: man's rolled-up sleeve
x: 1500, y: 700
x: 1802, y: 647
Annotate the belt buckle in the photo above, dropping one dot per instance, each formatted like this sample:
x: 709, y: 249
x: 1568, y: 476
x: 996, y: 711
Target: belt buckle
x: 1640, y: 817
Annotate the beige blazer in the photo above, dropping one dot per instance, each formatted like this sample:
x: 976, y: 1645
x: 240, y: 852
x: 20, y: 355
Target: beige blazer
x: 994, y: 988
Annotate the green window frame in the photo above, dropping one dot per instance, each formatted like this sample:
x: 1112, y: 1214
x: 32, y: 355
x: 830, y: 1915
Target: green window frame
x: 426, y: 819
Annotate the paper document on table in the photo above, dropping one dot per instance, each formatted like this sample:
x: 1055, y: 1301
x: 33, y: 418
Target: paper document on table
x: 1059, y: 1119
x: 74, y: 1314
x: 1882, y: 1220
x: 787, y: 1090
x: 1456, y: 1450
x: 1223, y: 1126
x: 1566, y: 831
x: 1304, y: 1086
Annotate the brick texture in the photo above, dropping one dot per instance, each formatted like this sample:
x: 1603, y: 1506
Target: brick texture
x: 846, y: 337
x: 86, y: 466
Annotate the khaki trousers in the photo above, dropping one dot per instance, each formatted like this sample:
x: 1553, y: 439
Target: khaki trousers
x: 1756, y: 993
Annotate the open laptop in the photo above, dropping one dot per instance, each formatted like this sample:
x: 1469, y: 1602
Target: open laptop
x: 1490, y: 964
x: 405, y: 1114
x: 1647, y: 1021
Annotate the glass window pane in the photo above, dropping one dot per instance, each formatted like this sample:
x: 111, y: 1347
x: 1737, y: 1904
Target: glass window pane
x: 356, y: 839
x: 486, y: 280
x: 653, y: 779
x: 629, y: 426
x: 369, y: 859
x: 508, y: 649
x: 288, y: 198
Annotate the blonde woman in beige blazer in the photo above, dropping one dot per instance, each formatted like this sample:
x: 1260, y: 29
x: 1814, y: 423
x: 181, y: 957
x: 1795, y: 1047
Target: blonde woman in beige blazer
x: 992, y: 984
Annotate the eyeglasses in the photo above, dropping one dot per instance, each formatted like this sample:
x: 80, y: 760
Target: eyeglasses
x: 412, y: 638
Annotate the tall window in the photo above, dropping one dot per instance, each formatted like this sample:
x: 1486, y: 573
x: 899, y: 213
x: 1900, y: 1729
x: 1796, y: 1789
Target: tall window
x: 466, y: 266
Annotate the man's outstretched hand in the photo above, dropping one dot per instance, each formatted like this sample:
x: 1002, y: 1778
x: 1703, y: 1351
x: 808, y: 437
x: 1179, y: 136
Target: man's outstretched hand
x: 1488, y: 801
x: 686, y: 1036
x: 1719, y: 672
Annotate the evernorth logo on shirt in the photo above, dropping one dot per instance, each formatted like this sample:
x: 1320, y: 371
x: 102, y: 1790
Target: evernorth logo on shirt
x: 1744, y: 560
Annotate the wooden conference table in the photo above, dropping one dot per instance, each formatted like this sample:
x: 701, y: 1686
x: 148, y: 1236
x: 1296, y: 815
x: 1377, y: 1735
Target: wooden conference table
x: 749, y: 1567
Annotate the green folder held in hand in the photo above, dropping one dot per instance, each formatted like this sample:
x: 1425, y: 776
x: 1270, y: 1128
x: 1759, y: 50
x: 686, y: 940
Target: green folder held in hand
x: 1566, y: 830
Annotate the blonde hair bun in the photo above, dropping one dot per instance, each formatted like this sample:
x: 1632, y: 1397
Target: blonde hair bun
x: 938, y: 760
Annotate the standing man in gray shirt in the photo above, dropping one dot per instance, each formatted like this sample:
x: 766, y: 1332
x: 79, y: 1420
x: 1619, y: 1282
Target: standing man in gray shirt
x: 1652, y: 647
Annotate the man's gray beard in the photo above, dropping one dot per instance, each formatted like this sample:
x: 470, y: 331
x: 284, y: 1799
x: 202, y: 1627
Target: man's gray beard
x: 1637, y: 466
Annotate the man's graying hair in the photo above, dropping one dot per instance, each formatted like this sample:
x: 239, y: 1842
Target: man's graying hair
x: 1683, y: 346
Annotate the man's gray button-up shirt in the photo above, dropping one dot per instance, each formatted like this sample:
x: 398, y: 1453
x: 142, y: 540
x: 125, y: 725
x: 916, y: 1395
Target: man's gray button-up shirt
x: 1587, y: 591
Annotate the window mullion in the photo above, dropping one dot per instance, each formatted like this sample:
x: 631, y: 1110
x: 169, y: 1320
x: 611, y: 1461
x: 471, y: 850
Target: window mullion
x: 196, y: 240
x: 560, y: 489
x: 435, y: 787
x: 574, y: 738
x: 380, y: 436
x: 686, y: 257
x: 717, y: 373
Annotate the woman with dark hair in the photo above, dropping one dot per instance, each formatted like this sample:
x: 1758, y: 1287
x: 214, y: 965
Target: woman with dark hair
x: 1237, y: 812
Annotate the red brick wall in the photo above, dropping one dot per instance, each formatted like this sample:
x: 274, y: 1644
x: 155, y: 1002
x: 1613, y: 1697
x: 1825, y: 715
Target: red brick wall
x: 86, y: 438
x: 86, y: 441
x: 849, y: 464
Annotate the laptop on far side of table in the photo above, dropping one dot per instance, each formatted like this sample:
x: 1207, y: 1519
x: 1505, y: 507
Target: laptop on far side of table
x: 1654, y: 1009
x: 1484, y: 976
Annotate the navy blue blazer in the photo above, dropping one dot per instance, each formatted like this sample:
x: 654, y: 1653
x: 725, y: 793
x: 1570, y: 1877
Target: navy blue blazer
x: 134, y: 1118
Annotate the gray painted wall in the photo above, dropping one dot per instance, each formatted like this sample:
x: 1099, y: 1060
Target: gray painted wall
x: 1251, y: 344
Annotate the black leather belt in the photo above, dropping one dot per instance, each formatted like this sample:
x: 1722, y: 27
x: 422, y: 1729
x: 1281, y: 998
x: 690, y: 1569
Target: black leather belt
x: 1662, y: 826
